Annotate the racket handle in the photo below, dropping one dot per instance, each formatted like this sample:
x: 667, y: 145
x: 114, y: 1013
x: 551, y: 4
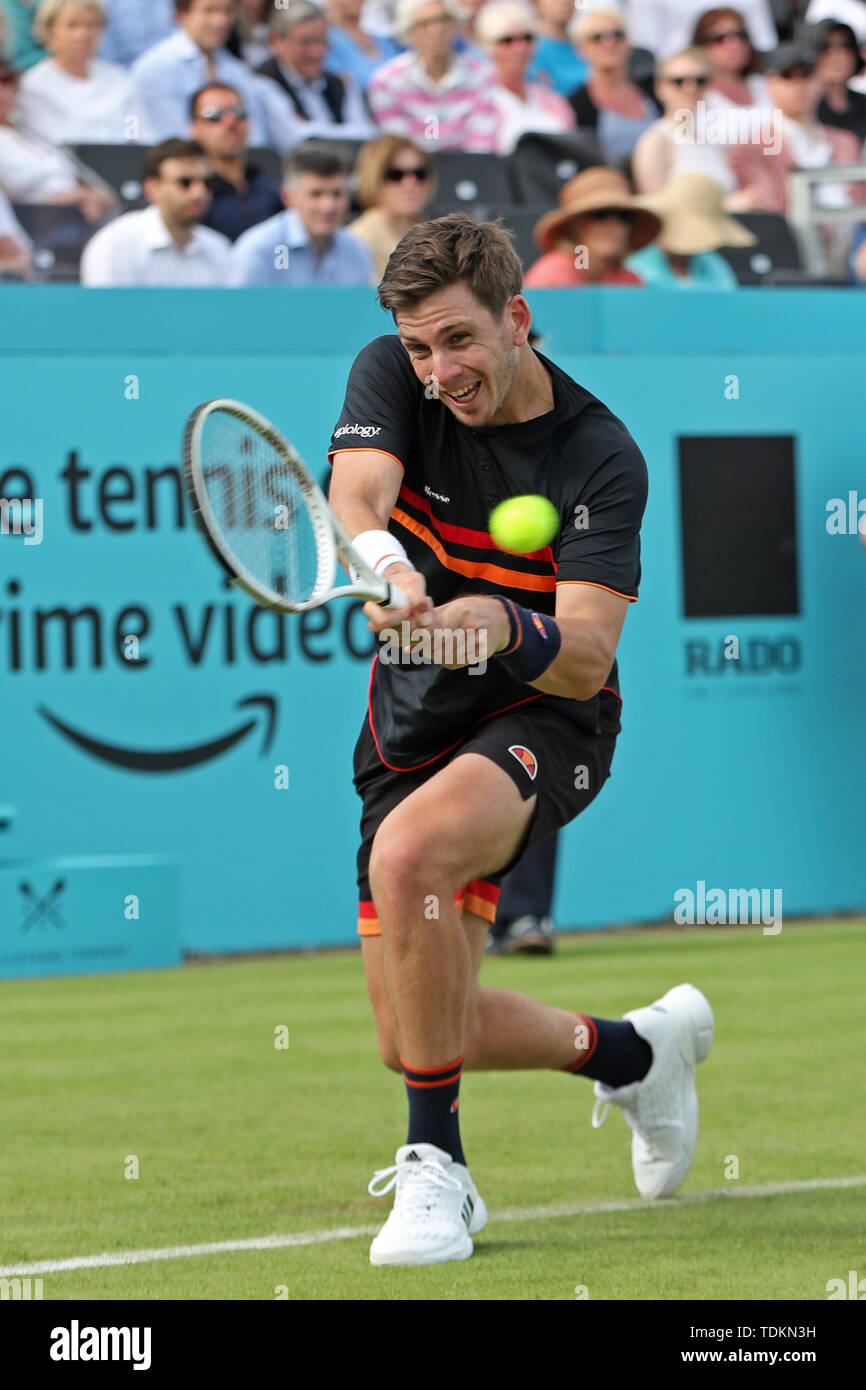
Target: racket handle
x: 396, y: 598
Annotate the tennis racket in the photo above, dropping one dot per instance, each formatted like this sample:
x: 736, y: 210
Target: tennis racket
x: 265, y: 518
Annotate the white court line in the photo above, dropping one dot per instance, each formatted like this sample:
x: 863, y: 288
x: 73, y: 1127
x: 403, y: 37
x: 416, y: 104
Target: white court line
x: 559, y: 1210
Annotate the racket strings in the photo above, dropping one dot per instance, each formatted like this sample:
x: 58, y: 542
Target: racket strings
x: 259, y: 506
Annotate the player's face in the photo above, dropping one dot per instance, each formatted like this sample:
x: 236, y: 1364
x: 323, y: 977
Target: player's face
x: 465, y: 357
x: 209, y: 22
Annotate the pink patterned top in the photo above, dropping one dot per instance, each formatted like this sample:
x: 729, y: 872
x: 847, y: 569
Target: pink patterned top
x: 456, y: 113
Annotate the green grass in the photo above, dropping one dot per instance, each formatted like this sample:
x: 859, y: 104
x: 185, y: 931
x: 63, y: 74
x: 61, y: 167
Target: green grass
x: 236, y: 1139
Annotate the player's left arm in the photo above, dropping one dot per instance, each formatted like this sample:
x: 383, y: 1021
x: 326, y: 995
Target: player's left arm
x: 590, y: 620
x: 588, y: 623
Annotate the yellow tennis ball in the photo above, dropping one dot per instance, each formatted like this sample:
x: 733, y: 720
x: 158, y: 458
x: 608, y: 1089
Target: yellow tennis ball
x: 523, y: 524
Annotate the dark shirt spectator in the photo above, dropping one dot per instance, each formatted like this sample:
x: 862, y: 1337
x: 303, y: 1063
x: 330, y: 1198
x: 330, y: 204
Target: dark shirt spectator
x: 323, y: 104
x: 243, y: 194
x: 839, y: 60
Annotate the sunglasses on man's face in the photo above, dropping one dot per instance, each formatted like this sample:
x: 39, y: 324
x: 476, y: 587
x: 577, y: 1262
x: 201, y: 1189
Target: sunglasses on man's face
x: 216, y: 113
x: 612, y: 214
x: 614, y: 34
x: 187, y: 181
x: 516, y: 38
x: 398, y: 175
x: 741, y: 34
x: 829, y: 44
x: 795, y: 75
x: 682, y: 81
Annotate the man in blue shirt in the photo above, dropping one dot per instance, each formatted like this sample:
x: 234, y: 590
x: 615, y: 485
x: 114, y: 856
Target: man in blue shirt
x: 134, y: 26
x: 243, y: 194
x: 306, y: 244
x: 169, y: 73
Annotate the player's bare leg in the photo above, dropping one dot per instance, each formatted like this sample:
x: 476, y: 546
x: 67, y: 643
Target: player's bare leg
x: 505, y: 1031
x: 423, y: 978
x: 466, y: 821
x: 457, y: 826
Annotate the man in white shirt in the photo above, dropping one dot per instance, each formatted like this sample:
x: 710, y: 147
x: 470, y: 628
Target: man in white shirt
x: 666, y: 26
x: 168, y: 74
x: 164, y: 245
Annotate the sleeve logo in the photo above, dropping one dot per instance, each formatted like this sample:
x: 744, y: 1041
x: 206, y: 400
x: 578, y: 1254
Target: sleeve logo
x: 364, y: 431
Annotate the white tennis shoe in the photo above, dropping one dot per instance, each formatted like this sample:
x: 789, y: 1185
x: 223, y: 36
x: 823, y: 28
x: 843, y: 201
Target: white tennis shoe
x: 437, y: 1209
x: 662, y: 1109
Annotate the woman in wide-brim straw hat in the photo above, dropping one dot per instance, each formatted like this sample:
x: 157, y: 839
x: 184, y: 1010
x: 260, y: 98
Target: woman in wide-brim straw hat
x: 586, y: 239
x: 694, y: 226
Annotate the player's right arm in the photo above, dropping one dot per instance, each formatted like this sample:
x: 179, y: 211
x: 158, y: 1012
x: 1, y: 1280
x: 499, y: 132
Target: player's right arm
x: 364, y: 488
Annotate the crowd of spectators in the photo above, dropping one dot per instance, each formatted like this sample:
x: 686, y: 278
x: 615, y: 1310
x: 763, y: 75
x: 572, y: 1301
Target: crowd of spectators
x: 693, y: 114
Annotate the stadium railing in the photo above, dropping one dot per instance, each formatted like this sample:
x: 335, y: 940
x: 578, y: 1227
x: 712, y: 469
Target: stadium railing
x: 807, y: 220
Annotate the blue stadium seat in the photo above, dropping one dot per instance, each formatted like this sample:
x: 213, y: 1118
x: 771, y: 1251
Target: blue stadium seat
x: 59, y: 235
x: 474, y: 183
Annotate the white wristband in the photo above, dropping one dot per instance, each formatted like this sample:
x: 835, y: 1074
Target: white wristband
x: 379, y: 549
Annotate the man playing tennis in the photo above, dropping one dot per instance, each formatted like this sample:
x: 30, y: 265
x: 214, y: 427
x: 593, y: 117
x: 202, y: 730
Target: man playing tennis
x: 462, y: 768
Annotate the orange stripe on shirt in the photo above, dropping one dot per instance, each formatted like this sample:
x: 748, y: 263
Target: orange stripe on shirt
x: 632, y: 598
x: 359, y: 449
x: 495, y: 574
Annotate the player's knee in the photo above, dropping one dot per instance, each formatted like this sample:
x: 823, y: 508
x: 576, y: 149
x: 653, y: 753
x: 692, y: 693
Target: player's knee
x: 401, y: 861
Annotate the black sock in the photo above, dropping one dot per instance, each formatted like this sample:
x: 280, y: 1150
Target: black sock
x: 433, y: 1118
x: 615, y: 1053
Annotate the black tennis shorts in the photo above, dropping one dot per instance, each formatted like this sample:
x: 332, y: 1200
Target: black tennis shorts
x: 544, y: 753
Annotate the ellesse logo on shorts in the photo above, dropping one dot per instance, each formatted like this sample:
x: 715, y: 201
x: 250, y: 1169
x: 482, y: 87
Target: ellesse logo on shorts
x: 523, y: 755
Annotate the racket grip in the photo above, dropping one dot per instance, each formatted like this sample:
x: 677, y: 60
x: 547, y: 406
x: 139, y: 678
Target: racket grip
x: 396, y: 598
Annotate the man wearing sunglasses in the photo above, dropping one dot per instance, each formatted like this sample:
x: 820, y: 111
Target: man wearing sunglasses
x: 243, y: 194
x: 164, y: 245
x: 666, y: 26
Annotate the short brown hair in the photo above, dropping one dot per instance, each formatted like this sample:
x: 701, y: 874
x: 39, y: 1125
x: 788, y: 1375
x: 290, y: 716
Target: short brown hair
x: 170, y: 149
x: 375, y: 156
x: 446, y: 250
x: 710, y: 18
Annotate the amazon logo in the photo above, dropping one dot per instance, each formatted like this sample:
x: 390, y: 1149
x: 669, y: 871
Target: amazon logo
x: 172, y: 759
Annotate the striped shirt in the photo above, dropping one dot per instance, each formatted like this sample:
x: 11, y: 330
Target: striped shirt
x: 455, y: 113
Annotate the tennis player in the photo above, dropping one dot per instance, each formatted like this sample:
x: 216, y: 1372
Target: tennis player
x: 463, y: 767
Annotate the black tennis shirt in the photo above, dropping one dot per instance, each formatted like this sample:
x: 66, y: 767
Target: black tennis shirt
x: 578, y: 454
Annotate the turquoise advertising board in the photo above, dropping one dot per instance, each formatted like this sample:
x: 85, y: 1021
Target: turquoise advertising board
x: 221, y: 737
